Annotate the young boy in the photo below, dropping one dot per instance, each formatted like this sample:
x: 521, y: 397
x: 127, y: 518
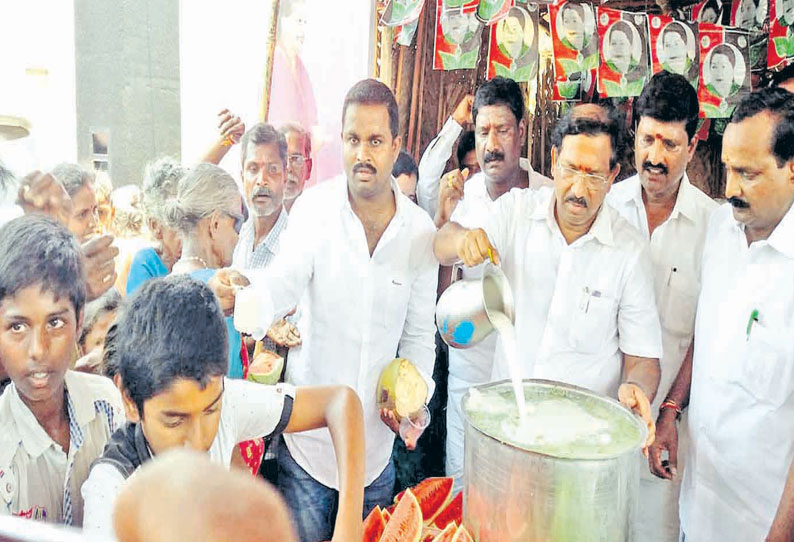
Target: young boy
x: 170, y: 353
x: 53, y: 422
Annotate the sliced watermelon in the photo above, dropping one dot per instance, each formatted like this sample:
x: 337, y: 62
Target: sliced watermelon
x: 462, y: 535
x: 432, y: 494
x: 448, y: 534
x: 405, y: 524
x: 452, y: 512
x: 374, y: 525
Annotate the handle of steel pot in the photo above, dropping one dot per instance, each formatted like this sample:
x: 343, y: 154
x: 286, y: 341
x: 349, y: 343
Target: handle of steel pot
x: 456, y: 267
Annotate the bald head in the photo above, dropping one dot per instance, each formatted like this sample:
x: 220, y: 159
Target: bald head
x: 590, y: 111
x: 183, y: 497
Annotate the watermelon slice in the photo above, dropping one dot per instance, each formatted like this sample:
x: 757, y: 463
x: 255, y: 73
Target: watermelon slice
x: 374, y: 525
x: 266, y: 368
x: 448, y: 534
x: 432, y: 494
x: 451, y: 513
x: 405, y: 524
x: 462, y: 535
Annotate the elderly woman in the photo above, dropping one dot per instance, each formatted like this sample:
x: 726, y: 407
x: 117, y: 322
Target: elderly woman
x: 208, y: 213
x: 79, y: 184
x: 159, y: 188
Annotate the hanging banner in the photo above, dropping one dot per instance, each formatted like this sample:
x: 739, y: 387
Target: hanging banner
x: 624, y: 52
x: 708, y: 11
x: 400, y: 12
x: 575, y: 48
x: 751, y: 15
x: 781, y: 33
x: 466, y: 6
x: 404, y: 34
x: 458, y: 34
x: 674, y: 47
x: 513, y: 45
x: 724, y: 70
x: 490, y: 11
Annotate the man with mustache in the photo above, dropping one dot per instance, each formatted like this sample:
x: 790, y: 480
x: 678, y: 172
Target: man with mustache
x: 580, y: 274
x: 358, y: 255
x: 739, y: 481
x: 672, y: 214
x: 499, y: 133
x: 299, y: 161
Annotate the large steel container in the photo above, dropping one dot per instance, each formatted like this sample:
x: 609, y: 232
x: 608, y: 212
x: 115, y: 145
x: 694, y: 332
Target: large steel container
x: 512, y: 494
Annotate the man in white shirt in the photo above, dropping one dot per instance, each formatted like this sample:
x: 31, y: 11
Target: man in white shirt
x: 581, y: 275
x: 739, y: 481
x: 360, y: 254
x: 673, y: 215
x: 500, y: 131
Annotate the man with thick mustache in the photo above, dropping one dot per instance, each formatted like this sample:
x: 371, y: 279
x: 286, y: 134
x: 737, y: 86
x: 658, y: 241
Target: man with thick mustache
x: 739, y: 476
x: 581, y: 275
x: 672, y: 214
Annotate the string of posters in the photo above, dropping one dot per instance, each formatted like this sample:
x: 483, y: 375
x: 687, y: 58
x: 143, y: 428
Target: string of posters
x: 614, y: 52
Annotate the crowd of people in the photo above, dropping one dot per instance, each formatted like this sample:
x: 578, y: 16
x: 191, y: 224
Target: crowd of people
x: 645, y: 290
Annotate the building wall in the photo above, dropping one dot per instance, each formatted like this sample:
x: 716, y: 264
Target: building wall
x: 127, y: 82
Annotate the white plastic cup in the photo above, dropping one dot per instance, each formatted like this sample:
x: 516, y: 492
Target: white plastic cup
x: 253, y: 313
x: 412, y: 427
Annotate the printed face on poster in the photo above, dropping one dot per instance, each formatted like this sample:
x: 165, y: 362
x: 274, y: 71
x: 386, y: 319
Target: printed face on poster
x: 575, y: 48
x: 490, y: 11
x: 458, y: 35
x: 401, y: 12
x: 781, y: 33
x: 513, y: 46
x: 749, y: 14
x: 724, y: 70
x: 708, y: 11
x: 624, y: 60
x: 674, y: 47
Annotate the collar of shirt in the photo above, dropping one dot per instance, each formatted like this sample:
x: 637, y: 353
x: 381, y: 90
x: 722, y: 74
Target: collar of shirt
x: 600, y: 230
x: 400, y: 202
x: 684, y: 203
x: 270, y: 242
x: 781, y: 238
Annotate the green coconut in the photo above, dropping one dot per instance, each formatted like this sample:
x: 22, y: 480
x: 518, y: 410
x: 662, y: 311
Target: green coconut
x: 401, y: 388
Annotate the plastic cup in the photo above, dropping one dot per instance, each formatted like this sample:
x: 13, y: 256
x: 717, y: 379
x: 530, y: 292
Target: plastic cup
x: 412, y: 426
x: 252, y: 313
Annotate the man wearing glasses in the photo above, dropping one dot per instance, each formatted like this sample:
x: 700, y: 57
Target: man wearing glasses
x: 299, y: 161
x: 580, y: 274
x: 673, y: 215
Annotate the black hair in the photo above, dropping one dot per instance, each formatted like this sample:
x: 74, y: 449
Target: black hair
x: 571, y: 125
x: 723, y: 49
x: 668, y: 97
x: 787, y: 73
x: 96, y: 309
x: 622, y: 26
x: 404, y: 165
x: 37, y: 250
x: 109, y: 366
x: 499, y: 91
x: 780, y: 104
x: 170, y: 328
x: 465, y: 146
x: 676, y: 27
x: 373, y: 92
x: 576, y: 6
x: 73, y: 177
x: 262, y: 133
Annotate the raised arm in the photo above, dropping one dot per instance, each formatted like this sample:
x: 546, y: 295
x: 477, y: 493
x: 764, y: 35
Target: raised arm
x: 230, y: 130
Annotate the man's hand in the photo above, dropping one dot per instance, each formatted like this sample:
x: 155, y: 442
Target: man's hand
x: 231, y: 127
x: 100, y: 267
x: 666, y: 439
x: 284, y: 333
x: 224, y: 284
x: 475, y: 247
x: 389, y: 418
x: 462, y: 113
x: 450, y: 192
x: 633, y: 397
x: 42, y: 193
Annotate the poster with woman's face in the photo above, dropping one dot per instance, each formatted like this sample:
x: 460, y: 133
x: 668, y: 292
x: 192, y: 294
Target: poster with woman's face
x: 624, y: 52
x: 490, y: 11
x: 781, y: 32
x: 749, y: 14
x: 575, y: 47
x: 724, y: 70
x: 458, y: 35
x: 674, y: 47
x: 466, y: 6
x: 513, y: 45
x: 708, y: 11
x: 401, y: 12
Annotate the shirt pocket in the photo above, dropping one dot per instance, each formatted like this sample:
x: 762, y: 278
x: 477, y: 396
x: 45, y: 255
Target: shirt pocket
x: 768, y: 368
x: 593, y: 322
x: 679, y: 304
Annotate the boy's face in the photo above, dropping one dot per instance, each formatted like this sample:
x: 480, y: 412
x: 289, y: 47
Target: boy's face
x: 37, y: 339
x: 95, y: 338
x: 183, y: 415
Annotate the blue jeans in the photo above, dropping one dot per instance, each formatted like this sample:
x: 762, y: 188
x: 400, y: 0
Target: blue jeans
x: 313, y: 505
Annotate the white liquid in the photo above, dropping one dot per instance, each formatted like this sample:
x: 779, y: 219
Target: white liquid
x: 505, y: 328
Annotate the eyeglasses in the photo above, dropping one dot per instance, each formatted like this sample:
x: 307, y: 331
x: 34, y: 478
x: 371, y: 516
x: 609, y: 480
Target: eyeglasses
x: 591, y: 179
x: 297, y: 160
x: 239, y: 220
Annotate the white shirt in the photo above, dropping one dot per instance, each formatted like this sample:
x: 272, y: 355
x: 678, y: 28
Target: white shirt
x: 358, y: 312
x: 434, y: 161
x: 577, y: 306
x: 676, y: 250
x: 248, y: 411
x: 741, y: 411
x: 37, y: 479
